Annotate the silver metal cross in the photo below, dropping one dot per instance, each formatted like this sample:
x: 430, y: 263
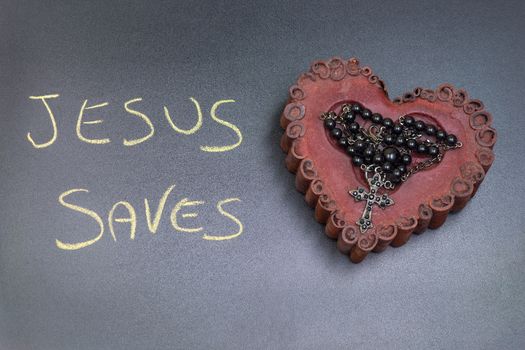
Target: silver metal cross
x: 371, y: 197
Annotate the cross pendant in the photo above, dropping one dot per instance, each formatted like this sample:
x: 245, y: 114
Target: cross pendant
x: 371, y: 197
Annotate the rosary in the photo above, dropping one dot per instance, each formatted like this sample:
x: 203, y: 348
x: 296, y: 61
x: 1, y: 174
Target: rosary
x: 384, y: 151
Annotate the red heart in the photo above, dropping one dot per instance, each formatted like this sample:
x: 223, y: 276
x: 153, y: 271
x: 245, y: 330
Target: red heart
x: 324, y: 173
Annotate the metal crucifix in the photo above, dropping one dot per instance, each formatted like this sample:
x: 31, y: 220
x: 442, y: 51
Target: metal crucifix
x: 371, y: 197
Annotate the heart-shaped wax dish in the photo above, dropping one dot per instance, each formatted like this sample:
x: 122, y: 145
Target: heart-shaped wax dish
x: 325, y: 174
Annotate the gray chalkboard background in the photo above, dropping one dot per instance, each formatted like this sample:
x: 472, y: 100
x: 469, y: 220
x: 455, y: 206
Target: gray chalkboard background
x: 281, y: 284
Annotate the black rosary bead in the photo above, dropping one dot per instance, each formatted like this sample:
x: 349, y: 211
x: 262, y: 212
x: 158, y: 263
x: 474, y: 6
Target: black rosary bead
x: 397, y: 129
x: 360, y: 145
x: 388, y: 123
x: 343, y: 142
x: 402, y: 168
x: 400, y: 141
x: 368, y: 160
x: 351, y: 150
x: 452, y: 140
x: 378, y: 159
x: 411, y: 144
x: 366, y: 113
x: 406, y: 159
x: 391, y: 154
x: 349, y: 117
x: 396, y: 173
x: 354, y: 127
x: 356, y: 107
x: 329, y: 123
x: 369, y: 152
x: 431, y: 130
x: 433, y: 151
x: 377, y: 118
x: 441, y: 135
x: 422, y: 148
x: 337, y: 133
x: 420, y: 125
x: 357, y: 160
x: 387, y: 167
x: 409, y: 120
x: 389, y: 139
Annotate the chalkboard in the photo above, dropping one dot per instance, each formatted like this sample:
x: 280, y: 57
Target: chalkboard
x: 159, y: 214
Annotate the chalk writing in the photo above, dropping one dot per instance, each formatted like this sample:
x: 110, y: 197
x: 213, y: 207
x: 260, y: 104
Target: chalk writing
x: 53, y: 122
x: 82, y: 124
x: 123, y: 214
x: 132, y: 219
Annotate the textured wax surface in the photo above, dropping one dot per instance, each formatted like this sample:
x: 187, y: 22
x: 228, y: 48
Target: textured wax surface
x: 282, y: 284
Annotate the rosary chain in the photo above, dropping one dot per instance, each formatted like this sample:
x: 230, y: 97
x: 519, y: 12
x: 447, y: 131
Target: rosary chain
x: 375, y: 135
x: 429, y: 162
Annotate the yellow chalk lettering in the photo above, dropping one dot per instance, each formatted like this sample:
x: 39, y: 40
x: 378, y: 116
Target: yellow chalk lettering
x: 229, y: 216
x: 80, y: 122
x: 225, y: 123
x: 92, y: 214
x: 158, y: 214
x: 53, y: 122
x: 131, y: 219
x: 144, y: 118
x: 184, y: 203
x: 197, y: 125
